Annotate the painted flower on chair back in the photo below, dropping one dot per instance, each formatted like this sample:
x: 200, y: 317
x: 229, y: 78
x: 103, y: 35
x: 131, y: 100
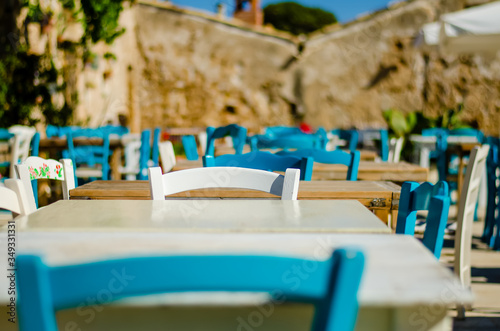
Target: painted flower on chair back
x: 44, y: 171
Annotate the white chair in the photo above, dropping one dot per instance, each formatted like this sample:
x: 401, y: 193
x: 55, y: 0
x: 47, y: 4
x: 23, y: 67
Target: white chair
x: 132, y: 150
x: 395, y: 147
x: 20, y: 145
x: 13, y: 197
x: 167, y: 155
x: 35, y: 167
x: 465, y: 217
x: 225, y: 177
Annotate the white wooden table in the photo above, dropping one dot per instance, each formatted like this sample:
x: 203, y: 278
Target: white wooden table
x: 403, y: 286
x: 204, y: 216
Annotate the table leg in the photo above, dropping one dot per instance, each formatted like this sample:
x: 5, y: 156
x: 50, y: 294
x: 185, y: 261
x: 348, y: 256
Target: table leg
x: 425, y: 157
x: 383, y: 214
x: 116, y: 159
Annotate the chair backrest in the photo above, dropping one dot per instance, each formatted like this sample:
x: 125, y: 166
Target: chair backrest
x: 282, y: 131
x: 332, y: 286
x: 351, y: 160
x: 167, y: 155
x: 114, y: 129
x: 466, y: 210
x: 90, y: 155
x: 263, y: 161
x: 236, y: 132
x: 395, y: 148
x: 190, y: 147
x: 433, y: 198
x: 13, y: 197
x: 35, y: 167
x: 21, y: 144
x: 291, y: 141
x: 351, y: 136
x: 224, y: 177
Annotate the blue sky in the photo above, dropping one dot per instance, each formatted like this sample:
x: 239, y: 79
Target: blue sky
x: 345, y: 11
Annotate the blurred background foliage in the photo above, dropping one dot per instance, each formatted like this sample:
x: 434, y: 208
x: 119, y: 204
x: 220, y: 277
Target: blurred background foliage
x: 297, y: 19
x: 32, y: 87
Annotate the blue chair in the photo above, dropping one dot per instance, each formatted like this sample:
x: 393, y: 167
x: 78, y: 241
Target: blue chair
x: 351, y: 160
x: 262, y: 161
x: 144, y: 153
x: 425, y: 196
x: 89, y: 155
x: 236, y: 132
x: 190, y: 147
x: 351, y: 136
x: 331, y: 287
x: 374, y: 134
x: 492, y: 219
x: 292, y: 141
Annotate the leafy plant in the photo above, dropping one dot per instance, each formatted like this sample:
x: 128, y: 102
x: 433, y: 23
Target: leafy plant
x: 29, y: 83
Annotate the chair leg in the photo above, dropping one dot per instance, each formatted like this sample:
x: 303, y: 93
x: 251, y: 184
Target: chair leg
x: 460, y: 312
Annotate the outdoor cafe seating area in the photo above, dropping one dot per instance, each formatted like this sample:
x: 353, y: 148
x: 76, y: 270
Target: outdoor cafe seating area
x: 219, y: 228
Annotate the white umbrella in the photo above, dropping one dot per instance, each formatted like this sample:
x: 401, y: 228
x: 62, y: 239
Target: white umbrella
x: 475, y: 29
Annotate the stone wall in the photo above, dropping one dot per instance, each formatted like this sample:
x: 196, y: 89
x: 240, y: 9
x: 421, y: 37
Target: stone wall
x: 178, y: 68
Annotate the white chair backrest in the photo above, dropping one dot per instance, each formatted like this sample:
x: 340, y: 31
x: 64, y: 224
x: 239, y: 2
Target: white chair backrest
x: 132, y: 149
x: 466, y: 209
x: 35, y: 167
x: 224, y: 177
x: 13, y: 197
x: 395, y: 147
x: 20, y: 146
x: 167, y: 155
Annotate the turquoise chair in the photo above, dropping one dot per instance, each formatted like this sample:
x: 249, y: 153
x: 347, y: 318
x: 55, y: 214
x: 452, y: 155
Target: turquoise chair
x: 292, y: 141
x: 377, y: 134
x: 190, y: 147
x: 492, y: 219
x: 144, y: 153
x: 433, y: 198
x: 331, y: 287
x: 236, y: 132
x: 351, y: 160
x: 89, y: 155
x: 262, y: 161
x: 351, y: 136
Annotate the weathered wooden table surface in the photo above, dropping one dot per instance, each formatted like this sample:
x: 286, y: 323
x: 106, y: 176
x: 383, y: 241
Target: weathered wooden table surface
x: 380, y: 197
x: 206, y: 216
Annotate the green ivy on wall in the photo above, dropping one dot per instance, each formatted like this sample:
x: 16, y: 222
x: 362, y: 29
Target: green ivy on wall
x: 29, y: 82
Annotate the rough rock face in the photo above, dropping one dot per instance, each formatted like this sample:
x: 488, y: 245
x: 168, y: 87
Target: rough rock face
x: 200, y: 72
x: 180, y: 69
